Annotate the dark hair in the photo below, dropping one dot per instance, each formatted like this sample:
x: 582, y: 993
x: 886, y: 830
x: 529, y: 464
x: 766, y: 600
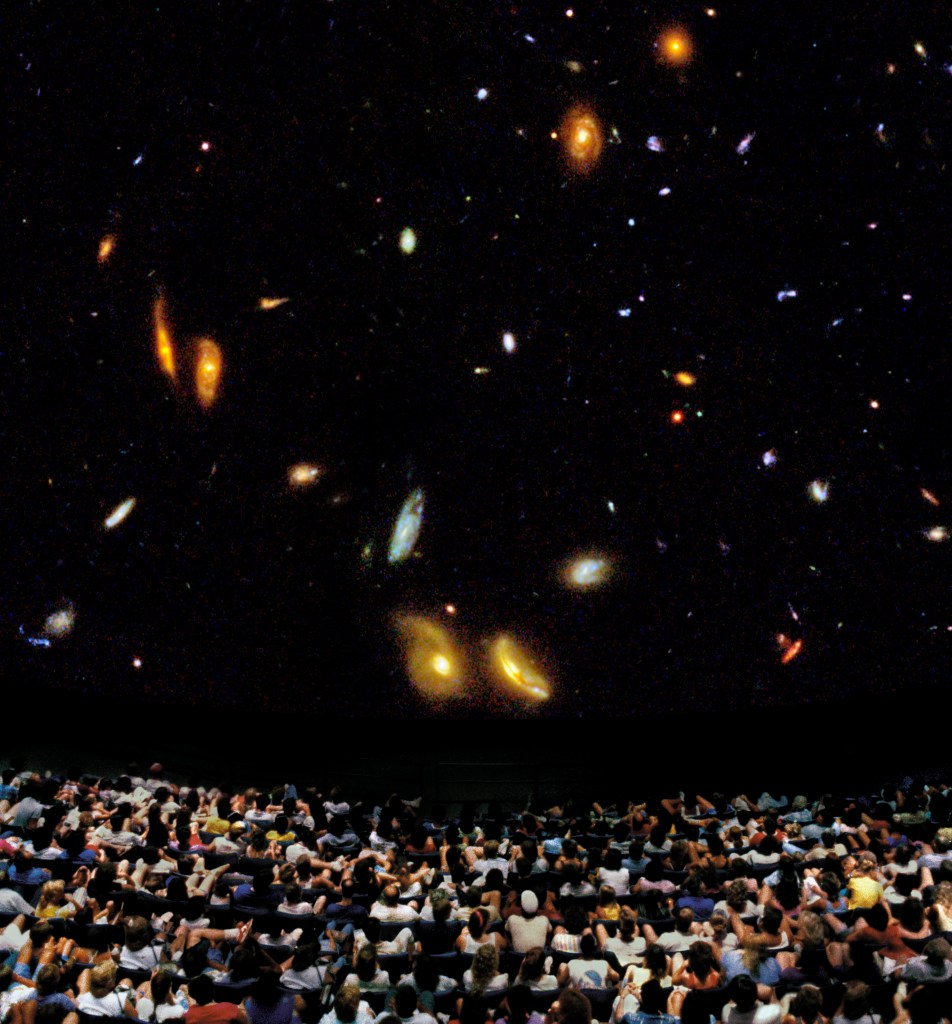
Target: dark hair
x: 519, y: 999
x: 877, y: 916
x: 575, y: 919
x: 304, y: 957
x: 656, y: 960
x: 654, y: 998
x: 266, y: 990
x: 701, y: 959
x: 912, y: 914
x: 477, y: 923
x: 242, y: 965
x: 425, y: 973
x: 405, y: 1001
x: 574, y: 1008
x: 807, y: 1004
x: 771, y: 920
x: 160, y: 987
x: 201, y: 989
x: 654, y: 872
x: 743, y: 991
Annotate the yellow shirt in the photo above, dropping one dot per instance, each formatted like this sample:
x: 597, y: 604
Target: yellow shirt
x: 863, y: 892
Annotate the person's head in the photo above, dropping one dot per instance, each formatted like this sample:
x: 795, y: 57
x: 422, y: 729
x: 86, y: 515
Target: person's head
x: 102, y: 979
x: 856, y: 999
x: 485, y: 966
x: 574, y: 1008
x: 390, y: 895
x: 477, y: 923
x: 743, y: 991
x: 138, y: 933
x: 654, y: 871
x: 571, y: 875
x: 490, y: 849
x: 242, y: 965
x: 771, y: 920
x: 176, y: 889
x: 807, y: 1004
x: 877, y: 916
x: 653, y: 997
x: 161, y: 987
x: 519, y: 998
x: 47, y: 980
x: 267, y: 989
x: 52, y: 893
x: 912, y: 914
x: 40, y: 933
x: 612, y: 861
x: 701, y: 959
x: 575, y: 919
x: 440, y: 905
x: 194, y: 961
x: 810, y: 927
x: 426, y: 974
x: 656, y: 960
x: 684, y: 920
x: 405, y: 1001
x: 718, y: 922
x: 304, y: 956
x: 586, y: 945
x: 530, y: 903
x: 366, y: 966
x: 767, y: 846
x: 606, y: 896
x: 495, y: 882
x: 473, y: 1009
x: 533, y: 964
x: 627, y: 924
x: 346, y: 1003
x: 372, y: 930
x: 865, y: 863
x: 936, y: 952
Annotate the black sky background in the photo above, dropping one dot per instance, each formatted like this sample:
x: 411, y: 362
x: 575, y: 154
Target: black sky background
x: 331, y: 127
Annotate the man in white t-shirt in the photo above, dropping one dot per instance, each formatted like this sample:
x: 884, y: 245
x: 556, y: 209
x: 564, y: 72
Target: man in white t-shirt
x: 528, y: 929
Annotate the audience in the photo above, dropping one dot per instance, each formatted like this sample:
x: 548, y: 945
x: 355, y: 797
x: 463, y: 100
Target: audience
x: 143, y: 898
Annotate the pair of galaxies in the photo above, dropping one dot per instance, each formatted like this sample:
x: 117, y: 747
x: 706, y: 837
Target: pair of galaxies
x: 439, y: 669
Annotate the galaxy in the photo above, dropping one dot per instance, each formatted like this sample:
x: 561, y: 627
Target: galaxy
x: 406, y: 530
x: 516, y: 670
x: 434, y: 664
x: 503, y: 361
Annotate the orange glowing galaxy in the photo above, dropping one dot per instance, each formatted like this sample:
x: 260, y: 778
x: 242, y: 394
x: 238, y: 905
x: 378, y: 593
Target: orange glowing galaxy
x: 434, y: 663
x: 106, y: 247
x: 789, y: 648
x: 208, y: 368
x: 164, y: 349
x: 675, y: 47
x: 583, y: 139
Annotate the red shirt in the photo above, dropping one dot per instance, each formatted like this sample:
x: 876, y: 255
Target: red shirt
x: 213, y: 1013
